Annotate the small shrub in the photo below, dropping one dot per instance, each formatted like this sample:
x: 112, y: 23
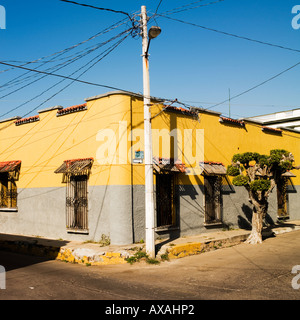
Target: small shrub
x: 165, y: 257
x: 139, y: 255
x: 131, y: 260
x: 152, y: 261
x: 105, y: 241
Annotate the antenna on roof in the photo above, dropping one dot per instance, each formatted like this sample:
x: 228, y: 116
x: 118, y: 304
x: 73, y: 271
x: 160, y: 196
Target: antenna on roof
x: 229, y: 103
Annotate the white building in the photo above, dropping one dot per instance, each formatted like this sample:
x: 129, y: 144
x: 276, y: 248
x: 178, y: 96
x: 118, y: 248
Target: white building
x: 285, y: 119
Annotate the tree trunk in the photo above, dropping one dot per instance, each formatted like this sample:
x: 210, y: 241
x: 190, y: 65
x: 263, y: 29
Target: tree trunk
x: 257, y: 224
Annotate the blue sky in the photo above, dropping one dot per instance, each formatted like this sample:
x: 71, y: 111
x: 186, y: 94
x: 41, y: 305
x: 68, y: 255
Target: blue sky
x: 194, y: 65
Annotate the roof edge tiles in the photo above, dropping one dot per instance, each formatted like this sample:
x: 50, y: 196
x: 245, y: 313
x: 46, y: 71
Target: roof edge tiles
x: 72, y: 109
x: 271, y: 130
x: 180, y: 110
x: 27, y: 120
x: 231, y: 121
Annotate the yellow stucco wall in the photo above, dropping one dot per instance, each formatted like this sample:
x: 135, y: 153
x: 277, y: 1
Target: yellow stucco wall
x: 42, y: 146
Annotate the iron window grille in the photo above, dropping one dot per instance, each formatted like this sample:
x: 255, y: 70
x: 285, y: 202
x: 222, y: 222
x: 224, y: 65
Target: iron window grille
x: 8, y: 193
x: 77, y: 203
x: 76, y: 174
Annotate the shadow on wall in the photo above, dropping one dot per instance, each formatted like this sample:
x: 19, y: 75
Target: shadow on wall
x: 246, y: 222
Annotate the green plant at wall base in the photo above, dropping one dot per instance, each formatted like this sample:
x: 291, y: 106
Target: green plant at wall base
x: 165, y: 257
x: 131, y: 260
x: 105, y: 240
x: 141, y: 255
x: 152, y: 261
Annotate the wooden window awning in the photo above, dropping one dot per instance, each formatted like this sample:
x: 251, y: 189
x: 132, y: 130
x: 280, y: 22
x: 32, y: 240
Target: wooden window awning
x: 10, y: 166
x: 213, y: 168
x: 288, y: 174
x: 167, y: 164
x: 76, y: 166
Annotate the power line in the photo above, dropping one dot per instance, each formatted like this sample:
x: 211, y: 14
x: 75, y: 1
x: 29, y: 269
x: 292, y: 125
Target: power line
x: 98, y: 8
x: 102, y: 55
x: 62, y: 76
x: 188, y: 7
x: 58, y: 54
x: 230, y: 34
x: 65, y: 64
x: 255, y: 87
x: 158, y: 6
x: 108, y: 29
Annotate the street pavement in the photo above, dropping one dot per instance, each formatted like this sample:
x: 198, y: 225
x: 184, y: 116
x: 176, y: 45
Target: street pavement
x: 239, y: 272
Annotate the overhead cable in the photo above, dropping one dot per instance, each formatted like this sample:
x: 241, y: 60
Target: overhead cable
x: 255, y: 87
x: 99, y: 57
x: 230, y: 34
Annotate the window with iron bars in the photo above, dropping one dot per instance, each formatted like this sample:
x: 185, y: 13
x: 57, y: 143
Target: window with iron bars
x: 8, y: 193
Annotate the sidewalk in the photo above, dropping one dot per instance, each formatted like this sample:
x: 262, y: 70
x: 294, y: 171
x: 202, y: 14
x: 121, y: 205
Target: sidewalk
x: 94, y: 254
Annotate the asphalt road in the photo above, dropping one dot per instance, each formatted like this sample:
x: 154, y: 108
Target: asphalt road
x: 242, y: 272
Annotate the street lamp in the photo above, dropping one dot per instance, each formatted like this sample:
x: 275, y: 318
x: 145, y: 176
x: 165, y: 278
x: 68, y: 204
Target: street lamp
x: 154, y: 32
x: 149, y: 194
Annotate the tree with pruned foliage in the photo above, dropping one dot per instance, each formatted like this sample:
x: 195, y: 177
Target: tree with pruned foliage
x: 259, y: 174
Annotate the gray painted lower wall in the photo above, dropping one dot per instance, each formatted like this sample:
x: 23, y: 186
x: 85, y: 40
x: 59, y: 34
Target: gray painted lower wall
x: 42, y: 212
x: 118, y: 213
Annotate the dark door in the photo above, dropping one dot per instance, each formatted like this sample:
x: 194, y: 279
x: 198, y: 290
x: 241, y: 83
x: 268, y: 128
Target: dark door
x: 282, y: 198
x: 212, y: 189
x: 77, y: 203
x: 165, y: 199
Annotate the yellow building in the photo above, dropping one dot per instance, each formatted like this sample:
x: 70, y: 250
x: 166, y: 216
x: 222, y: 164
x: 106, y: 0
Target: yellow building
x: 77, y: 173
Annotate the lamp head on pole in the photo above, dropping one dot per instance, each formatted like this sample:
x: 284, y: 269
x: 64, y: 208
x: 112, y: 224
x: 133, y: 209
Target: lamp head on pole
x: 154, y: 32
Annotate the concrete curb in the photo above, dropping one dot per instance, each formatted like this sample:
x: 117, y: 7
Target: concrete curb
x: 74, y: 252
x: 193, y: 248
x: 94, y: 254
x: 91, y: 256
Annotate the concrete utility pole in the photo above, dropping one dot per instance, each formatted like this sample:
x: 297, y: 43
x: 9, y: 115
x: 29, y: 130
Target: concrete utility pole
x: 149, y: 194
